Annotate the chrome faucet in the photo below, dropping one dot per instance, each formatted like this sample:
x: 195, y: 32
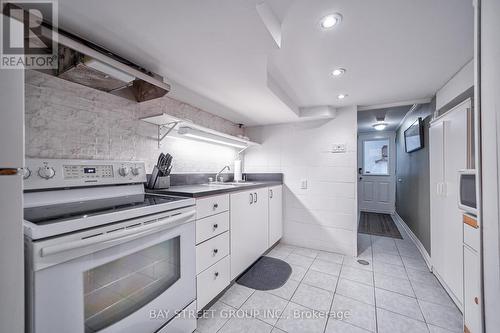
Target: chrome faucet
x: 218, y: 177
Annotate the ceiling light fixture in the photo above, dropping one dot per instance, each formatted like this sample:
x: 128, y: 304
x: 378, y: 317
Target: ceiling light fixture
x: 380, y: 125
x: 342, y: 96
x: 330, y: 21
x: 337, y: 72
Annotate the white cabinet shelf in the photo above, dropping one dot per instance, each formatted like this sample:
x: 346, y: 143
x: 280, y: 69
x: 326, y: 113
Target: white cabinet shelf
x: 170, y: 125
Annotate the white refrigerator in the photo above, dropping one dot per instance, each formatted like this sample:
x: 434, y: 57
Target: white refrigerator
x: 11, y: 200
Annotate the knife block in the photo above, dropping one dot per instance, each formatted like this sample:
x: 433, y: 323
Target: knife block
x: 162, y: 183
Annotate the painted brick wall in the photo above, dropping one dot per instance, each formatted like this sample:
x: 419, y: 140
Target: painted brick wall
x: 67, y: 120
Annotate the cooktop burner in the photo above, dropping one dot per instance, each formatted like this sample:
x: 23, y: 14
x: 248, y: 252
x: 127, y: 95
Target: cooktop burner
x: 82, y: 209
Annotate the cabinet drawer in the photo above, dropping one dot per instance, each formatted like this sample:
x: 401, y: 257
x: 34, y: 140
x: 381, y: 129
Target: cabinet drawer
x: 212, y: 205
x: 211, y: 226
x: 211, y: 251
x: 471, y: 232
x: 211, y: 282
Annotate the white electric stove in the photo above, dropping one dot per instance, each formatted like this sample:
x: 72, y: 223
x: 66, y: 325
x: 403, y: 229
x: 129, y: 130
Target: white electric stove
x: 101, y: 253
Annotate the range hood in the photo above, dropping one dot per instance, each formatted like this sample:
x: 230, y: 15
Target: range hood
x: 88, y: 64
x: 85, y: 63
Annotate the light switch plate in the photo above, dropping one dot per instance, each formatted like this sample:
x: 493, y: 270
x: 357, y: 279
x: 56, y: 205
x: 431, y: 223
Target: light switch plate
x: 338, y: 148
x: 303, y: 184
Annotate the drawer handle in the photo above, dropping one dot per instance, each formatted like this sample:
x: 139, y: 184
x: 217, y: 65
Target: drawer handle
x: 216, y: 205
x: 216, y: 251
x: 216, y: 274
x: 216, y: 226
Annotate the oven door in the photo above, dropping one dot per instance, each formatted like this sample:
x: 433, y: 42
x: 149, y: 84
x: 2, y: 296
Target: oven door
x: 126, y: 276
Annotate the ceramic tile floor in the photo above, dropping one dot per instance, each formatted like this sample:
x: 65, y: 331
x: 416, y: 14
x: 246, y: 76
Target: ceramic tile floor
x: 394, y: 293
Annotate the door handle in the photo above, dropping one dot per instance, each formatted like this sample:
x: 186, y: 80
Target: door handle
x: 117, y: 237
x: 255, y: 197
x: 360, y: 171
x: 271, y: 194
x: 251, y: 198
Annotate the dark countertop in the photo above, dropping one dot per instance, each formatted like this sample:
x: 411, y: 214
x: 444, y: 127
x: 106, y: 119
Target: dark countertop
x: 204, y: 190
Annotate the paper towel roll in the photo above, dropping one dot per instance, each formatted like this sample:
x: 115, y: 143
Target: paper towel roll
x: 237, y: 170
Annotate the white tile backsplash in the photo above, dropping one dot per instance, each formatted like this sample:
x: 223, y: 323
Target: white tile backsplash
x: 322, y: 216
x: 67, y: 120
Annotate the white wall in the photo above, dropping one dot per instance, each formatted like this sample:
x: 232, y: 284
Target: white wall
x: 67, y: 120
x: 323, y: 216
x: 460, y: 82
x: 490, y: 127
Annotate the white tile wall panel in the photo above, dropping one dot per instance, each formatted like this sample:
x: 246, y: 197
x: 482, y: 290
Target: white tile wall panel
x: 322, y: 216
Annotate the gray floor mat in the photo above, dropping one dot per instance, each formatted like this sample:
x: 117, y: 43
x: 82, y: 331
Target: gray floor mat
x: 266, y: 274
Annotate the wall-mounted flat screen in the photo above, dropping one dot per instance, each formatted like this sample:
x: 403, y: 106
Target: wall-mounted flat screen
x: 414, y: 136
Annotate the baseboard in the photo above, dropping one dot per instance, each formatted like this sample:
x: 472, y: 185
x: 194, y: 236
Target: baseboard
x: 448, y: 291
x: 416, y: 241
x: 428, y: 260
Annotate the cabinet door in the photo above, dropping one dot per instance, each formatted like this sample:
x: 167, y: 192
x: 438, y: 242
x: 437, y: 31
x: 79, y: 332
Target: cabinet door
x: 275, y: 214
x: 472, y: 290
x: 436, y: 170
x: 249, y: 228
x: 455, y: 159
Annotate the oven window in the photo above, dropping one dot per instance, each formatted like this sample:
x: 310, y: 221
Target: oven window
x: 119, y: 288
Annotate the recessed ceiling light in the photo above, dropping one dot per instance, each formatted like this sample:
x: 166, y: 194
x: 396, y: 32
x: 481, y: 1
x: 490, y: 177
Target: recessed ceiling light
x: 337, y: 72
x: 380, y: 126
x: 342, y: 96
x: 330, y: 21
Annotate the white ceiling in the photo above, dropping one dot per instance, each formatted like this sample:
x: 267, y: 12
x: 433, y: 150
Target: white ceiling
x: 218, y: 54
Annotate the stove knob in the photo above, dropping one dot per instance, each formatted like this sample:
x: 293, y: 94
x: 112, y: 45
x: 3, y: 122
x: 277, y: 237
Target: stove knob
x: 124, y: 171
x: 46, y: 172
x: 26, y: 173
x: 136, y: 171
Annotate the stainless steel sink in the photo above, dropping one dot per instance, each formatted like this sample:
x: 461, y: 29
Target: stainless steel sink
x: 218, y: 185
x: 232, y: 184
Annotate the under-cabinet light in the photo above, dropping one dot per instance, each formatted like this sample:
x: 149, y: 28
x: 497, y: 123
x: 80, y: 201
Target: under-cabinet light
x: 200, y: 135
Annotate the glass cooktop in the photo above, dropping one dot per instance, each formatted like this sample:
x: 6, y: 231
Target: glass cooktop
x: 82, y: 209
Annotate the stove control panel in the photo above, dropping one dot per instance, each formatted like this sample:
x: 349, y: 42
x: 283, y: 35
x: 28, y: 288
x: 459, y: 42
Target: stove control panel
x: 59, y: 173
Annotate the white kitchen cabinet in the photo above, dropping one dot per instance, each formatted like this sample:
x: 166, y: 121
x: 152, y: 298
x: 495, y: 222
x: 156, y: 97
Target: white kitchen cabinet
x: 275, y: 214
x: 211, y: 226
x: 472, y: 290
x: 249, y: 228
x: 211, y: 282
x: 212, y: 205
x: 448, y: 154
x: 211, y: 251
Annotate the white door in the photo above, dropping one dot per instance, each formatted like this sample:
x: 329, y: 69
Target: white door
x: 376, y: 172
x: 249, y: 228
x: 275, y: 214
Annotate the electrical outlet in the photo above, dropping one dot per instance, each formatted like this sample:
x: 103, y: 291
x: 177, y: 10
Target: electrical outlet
x: 338, y: 148
x: 303, y: 184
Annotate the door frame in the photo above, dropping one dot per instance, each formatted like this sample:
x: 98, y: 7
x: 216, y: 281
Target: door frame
x: 362, y: 137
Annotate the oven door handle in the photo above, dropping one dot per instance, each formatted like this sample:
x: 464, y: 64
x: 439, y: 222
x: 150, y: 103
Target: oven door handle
x: 116, y: 237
